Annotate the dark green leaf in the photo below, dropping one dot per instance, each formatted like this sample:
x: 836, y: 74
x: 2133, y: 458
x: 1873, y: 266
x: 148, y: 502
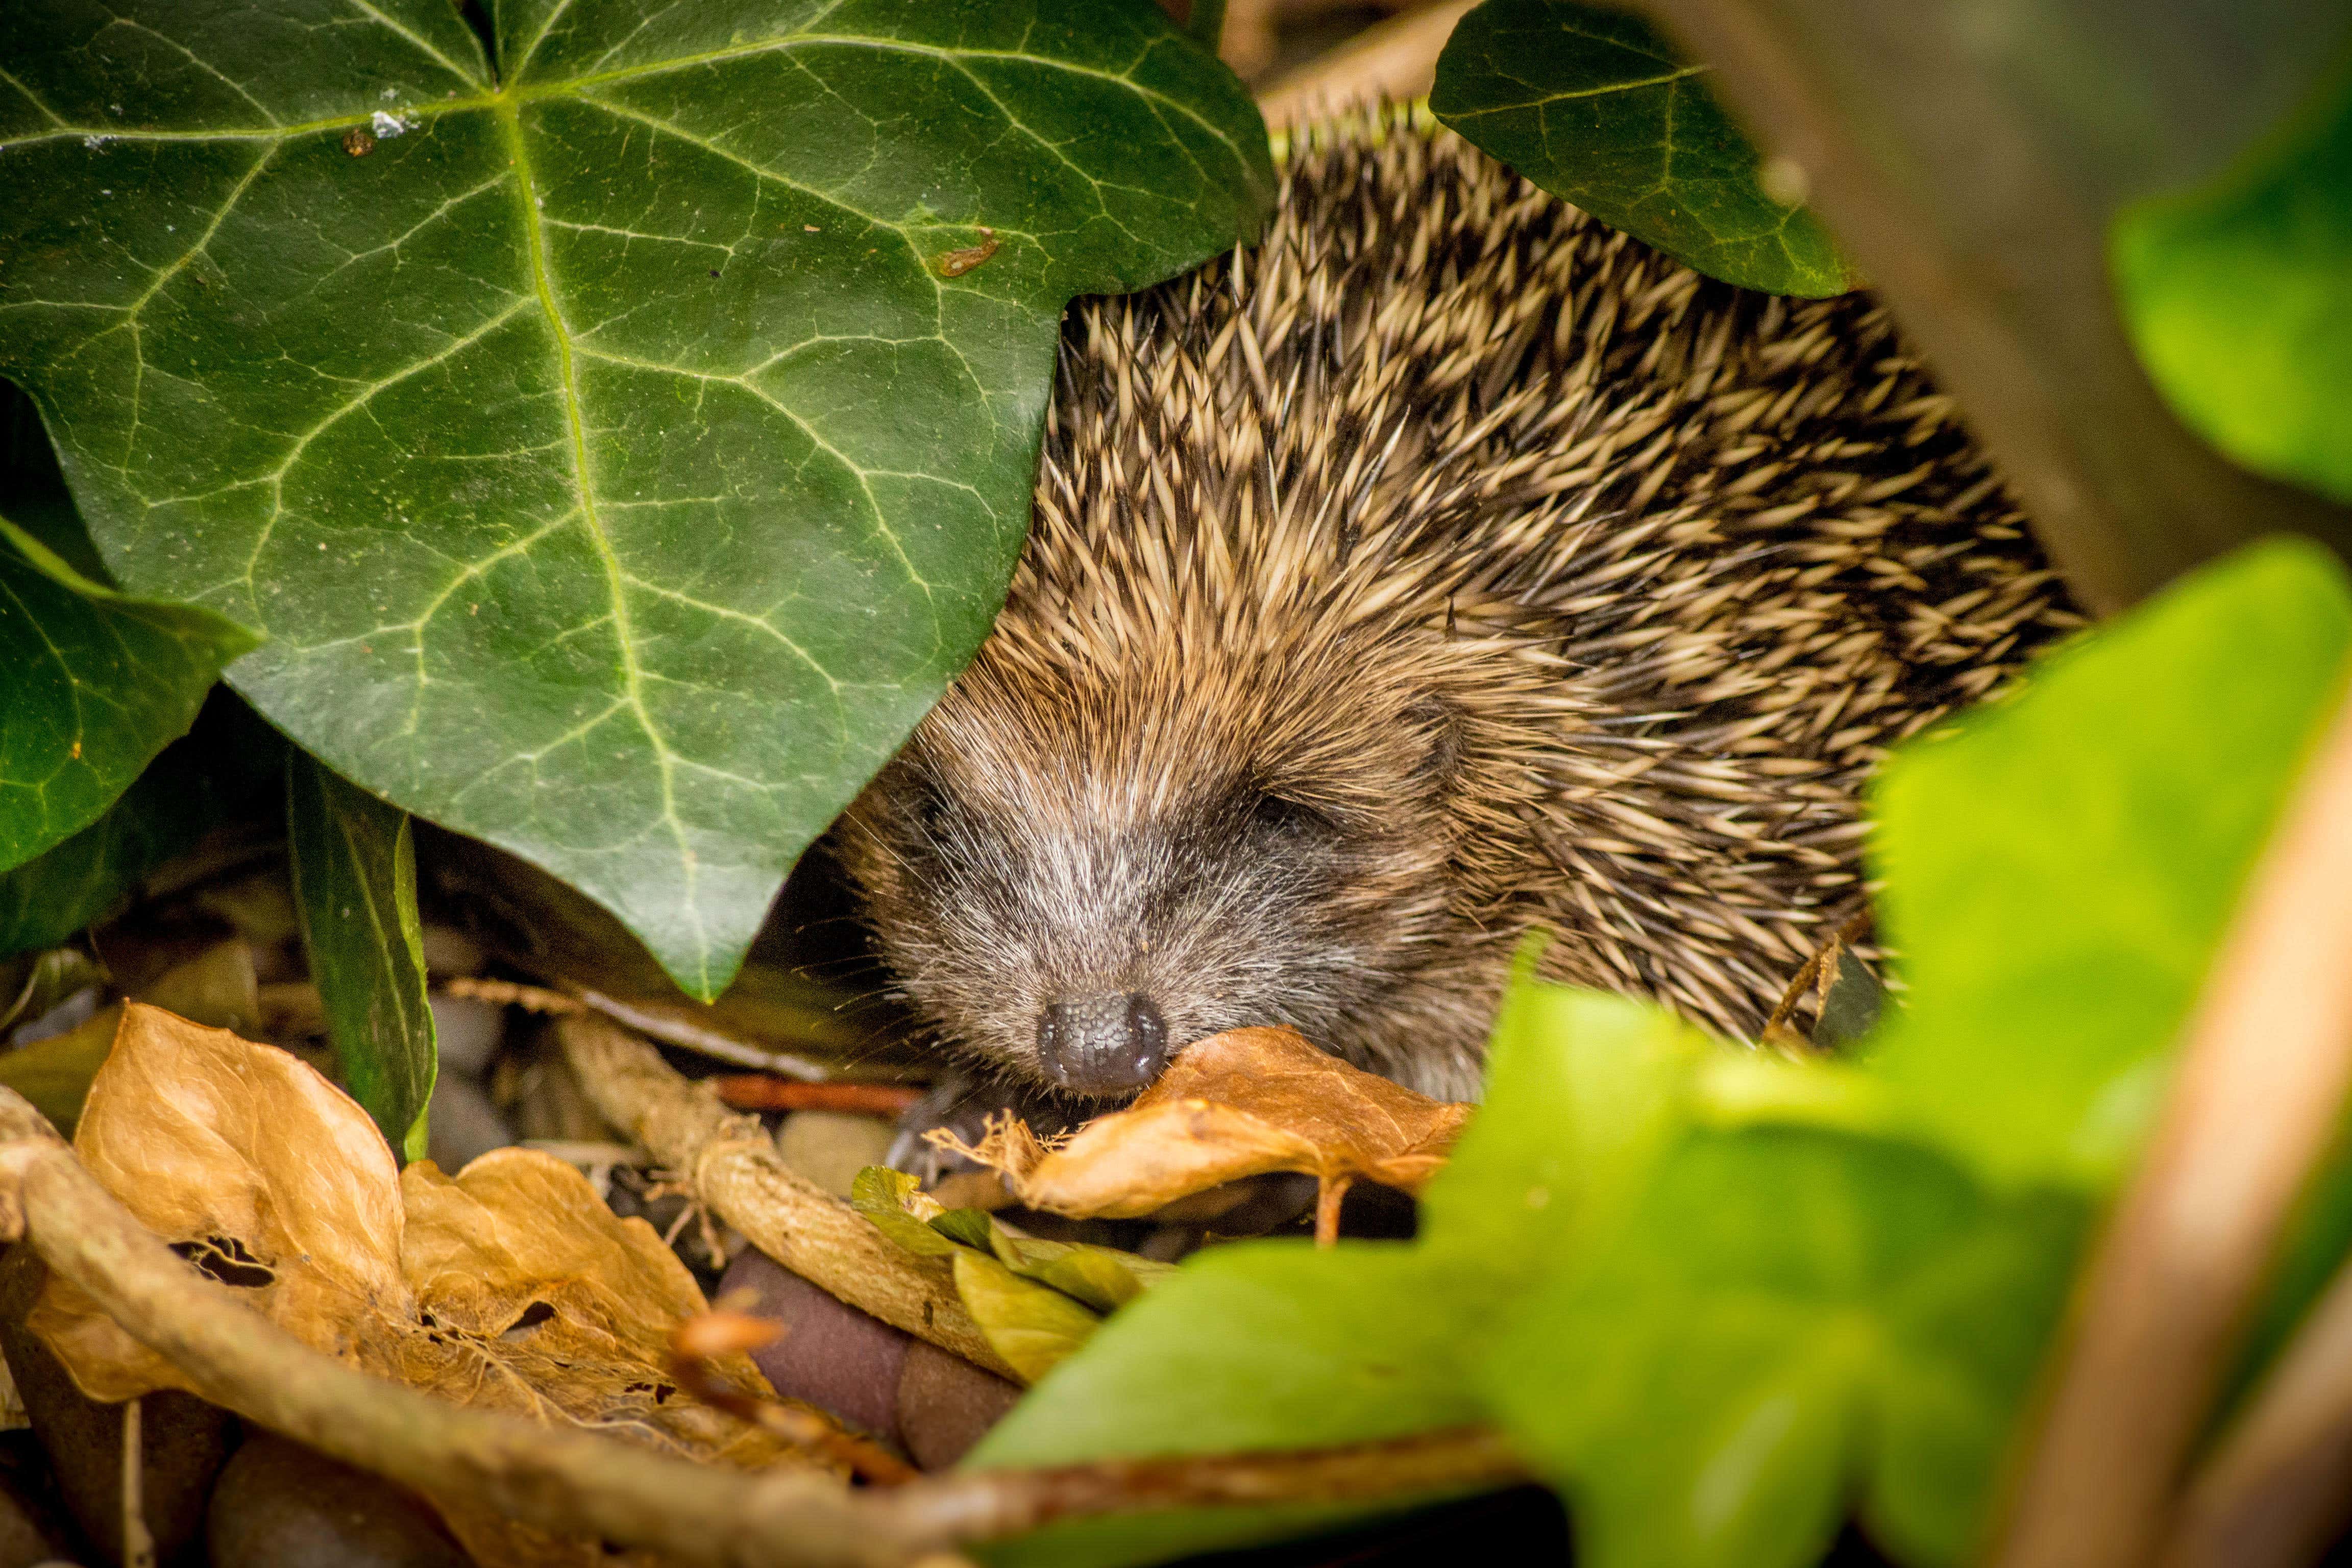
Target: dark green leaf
x: 2058, y: 871
x: 1593, y: 105
x: 354, y: 868
x: 33, y: 494
x: 56, y: 894
x: 1789, y: 1309
x: 622, y: 448
x: 1852, y: 1005
x: 1204, y: 23
x: 2239, y: 297
x: 97, y: 684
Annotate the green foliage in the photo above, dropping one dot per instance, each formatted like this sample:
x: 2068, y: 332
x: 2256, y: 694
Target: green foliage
x: 97, y: 684
x: 2058, y: 871
x: 54, y: 894
x: 1790, y: 1312
x: 1593, y: 105
x: 622, y: 442
x: 354, y: 868
x: 1037, y: 1301
x: 2239, y: 297
x: 1724, y: 1300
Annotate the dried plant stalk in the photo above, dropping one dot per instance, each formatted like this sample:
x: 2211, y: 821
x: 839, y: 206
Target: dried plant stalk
x: 732, y: 1165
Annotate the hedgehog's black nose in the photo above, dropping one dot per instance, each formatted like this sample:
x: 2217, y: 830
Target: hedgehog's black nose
x: 1102, y: 1046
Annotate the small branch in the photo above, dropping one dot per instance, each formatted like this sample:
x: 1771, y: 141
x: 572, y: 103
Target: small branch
x: 732, y: 1165
x: 2278, y: 1487
x: 1391, y: 61
x: 680, y: 1032
x: 984, y: 1505
x: 2256, y: 1099
x: 138, y: 1540
x: 574, y: 1483
x: 762, y: 1091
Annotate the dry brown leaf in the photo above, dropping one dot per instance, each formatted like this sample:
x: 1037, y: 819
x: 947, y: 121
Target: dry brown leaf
x: 1238, y: 1104
x: 509, y: 1287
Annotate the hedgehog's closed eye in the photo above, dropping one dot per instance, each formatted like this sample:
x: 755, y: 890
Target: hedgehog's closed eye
x: 1275, y: 818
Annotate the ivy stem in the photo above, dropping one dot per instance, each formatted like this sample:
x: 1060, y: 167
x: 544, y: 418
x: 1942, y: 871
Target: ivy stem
x: 2255, y: 1103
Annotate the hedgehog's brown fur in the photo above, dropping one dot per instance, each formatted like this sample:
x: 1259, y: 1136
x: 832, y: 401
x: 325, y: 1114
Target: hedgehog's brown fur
x: 1445, y: 567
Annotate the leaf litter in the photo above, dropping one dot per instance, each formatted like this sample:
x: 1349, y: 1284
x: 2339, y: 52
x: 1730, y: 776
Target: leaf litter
x: 1246, y: 1102
x: 509, y: 1287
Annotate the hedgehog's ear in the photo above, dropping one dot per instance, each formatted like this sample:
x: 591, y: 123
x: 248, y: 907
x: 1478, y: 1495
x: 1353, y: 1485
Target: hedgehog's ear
x: 1437, y: 722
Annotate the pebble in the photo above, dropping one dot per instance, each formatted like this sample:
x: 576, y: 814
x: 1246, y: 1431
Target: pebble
x: 281, y: 1505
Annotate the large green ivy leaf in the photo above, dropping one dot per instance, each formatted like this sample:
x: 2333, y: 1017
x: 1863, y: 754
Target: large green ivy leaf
x: 353, y: 863
x: 1593, y: 105
x: 622, y: 445
x: 96, y: 684
x: 2059, y: 872
x: 2239, y: 298
x: 1794, y: 1319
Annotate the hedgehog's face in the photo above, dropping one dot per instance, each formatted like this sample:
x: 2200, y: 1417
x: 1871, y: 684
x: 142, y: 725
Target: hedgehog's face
x: 1074, y: 879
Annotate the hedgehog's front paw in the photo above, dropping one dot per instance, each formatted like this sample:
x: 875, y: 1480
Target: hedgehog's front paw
x: 964, y: 1106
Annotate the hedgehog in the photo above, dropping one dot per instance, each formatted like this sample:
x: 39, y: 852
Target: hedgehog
x: 1445, y: 567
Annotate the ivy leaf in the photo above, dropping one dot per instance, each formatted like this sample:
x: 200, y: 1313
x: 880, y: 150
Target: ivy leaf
x: 622, y: 446
x: 2239, y: 299
x: 354, y: 870
x: 1789, y: 1307
x: 1254, y: 1345
x: 2060, y: 870
x: 98, y: 683
x: 1593, y: 106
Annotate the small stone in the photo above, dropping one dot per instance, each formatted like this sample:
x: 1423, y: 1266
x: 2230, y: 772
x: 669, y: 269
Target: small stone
x: 461, y: 1124
x: 832, y: 1355
x: 830, y: 1147
x: 469, y: 1031
x: 281, y: 1505
x: 946, y: 1404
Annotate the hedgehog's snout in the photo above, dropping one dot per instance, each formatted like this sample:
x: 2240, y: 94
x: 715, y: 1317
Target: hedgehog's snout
x: 1101, y: 1045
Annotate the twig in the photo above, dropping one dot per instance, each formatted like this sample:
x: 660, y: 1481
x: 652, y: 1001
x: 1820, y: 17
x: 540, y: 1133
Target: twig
x: 2278, y: 1487
x: 2258, y: 1090
x: 669, y: 1031
x: 762, y: 1091
x: 575, y: 1483
x: 705, y: 1336
x: 138, y: 1540
x: 985, y: 1505
x: 1331, y: 1191
x: 1395, y: 61
x: 732, y: 1165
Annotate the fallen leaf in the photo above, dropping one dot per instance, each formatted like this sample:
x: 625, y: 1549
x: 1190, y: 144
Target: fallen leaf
x: 509, y: 1287
x: 54, y: 1073
x: 1000, y: 1274
x: 1031, y: 1326
x: 1242, y: 1103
